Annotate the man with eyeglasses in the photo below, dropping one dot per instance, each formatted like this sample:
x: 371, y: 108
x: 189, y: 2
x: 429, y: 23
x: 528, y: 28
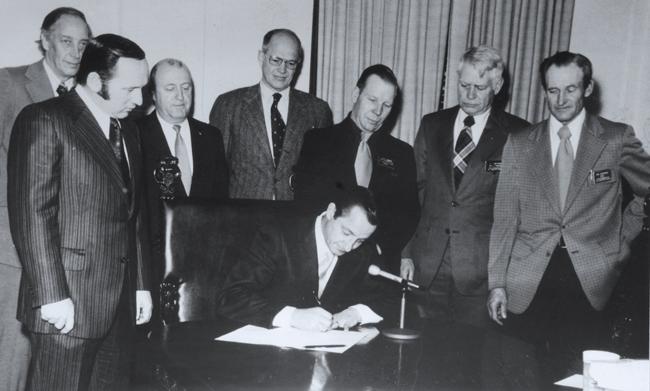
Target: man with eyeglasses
x: 263, y: 125
x: 64, y: 34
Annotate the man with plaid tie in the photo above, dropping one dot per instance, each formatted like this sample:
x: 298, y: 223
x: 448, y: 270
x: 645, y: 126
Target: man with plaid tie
x: 458, y: 158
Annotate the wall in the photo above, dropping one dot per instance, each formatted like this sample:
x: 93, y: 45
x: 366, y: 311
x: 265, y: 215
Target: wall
x: 218, y: 39
x: 615, y: 36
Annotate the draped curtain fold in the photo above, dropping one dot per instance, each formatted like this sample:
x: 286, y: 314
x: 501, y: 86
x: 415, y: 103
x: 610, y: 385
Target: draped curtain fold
x: 525, y: 32
x: 409, y: 36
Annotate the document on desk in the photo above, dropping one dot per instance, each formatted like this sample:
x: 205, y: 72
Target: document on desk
x: 335, y: 341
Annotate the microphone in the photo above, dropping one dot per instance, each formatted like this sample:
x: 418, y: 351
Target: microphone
x: 374, y: 270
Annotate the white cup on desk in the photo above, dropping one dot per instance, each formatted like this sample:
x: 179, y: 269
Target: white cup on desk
x: 590, y: 356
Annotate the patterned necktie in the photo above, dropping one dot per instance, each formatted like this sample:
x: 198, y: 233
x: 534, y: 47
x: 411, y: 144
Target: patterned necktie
x: 363, y: 161
x: 115, y: 139
x: 463, y: 151
x: 183, y: 159
x: 564, y: 163
x: 278, y: 128
x: 61, y: 90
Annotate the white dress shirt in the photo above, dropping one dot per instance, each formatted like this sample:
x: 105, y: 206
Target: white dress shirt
x: 54, y: 79
x: 170, y: 137
x: 477, y: 129
x: 575, y: 127
x: 326, y: 264
x: 267, y: 101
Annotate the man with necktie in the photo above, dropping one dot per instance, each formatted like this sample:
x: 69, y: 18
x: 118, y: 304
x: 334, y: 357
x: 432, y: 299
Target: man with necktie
x: 64, y: 35
x: 75, y: 195
x: 263, y: 125
x: 561, y: 237
x: 170, y: 131
x: 458, y: 155
x: 361, y: 152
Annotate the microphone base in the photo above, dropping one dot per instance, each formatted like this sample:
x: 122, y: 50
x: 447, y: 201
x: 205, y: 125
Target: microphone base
x: 397, y: 333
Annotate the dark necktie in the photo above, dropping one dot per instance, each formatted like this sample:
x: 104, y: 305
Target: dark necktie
x: 463, y: 150
x: 564, y: 163
x: 277, y: 128
x: 61, y: 90
x: 115, y: 138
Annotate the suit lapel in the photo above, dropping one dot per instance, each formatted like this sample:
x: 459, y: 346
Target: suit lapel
x: 542, y: 164
x: 38, y: 87
x: 301, y: 245
x: 200, y: 150
x: 132, y: 147
x: 91, y: 136
x: 589, y: 149
x: 162, y: 148
x: 445, y: 145
x: 254, y: 113
x: 295, y: 115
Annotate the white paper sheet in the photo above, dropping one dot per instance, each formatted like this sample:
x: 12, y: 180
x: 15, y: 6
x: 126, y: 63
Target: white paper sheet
x: 294, y: 338
x: 624, y: 375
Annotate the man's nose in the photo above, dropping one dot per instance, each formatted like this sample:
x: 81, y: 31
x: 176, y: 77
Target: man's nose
x: 471, y: 93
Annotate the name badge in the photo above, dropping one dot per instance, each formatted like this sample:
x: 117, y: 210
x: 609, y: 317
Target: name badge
x: 493, y: 166
x: 601, y: 176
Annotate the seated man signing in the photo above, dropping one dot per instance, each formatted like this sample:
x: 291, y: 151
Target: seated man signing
x: 309, y: 273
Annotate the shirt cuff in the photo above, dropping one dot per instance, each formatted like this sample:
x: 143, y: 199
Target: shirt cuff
x: 367, y: 315
x: 283, y: 318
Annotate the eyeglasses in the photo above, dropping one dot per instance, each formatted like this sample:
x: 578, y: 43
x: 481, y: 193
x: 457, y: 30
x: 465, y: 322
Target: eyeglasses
x: 277, y: 61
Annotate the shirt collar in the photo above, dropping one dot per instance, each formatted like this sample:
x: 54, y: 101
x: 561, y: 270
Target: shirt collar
x: 267, y: 92
x: 102, y: 118
x: 479, y: 120
x: 54, y: 79
x: 322, y: 250
x: 167, y: 126
x: 575, y: 126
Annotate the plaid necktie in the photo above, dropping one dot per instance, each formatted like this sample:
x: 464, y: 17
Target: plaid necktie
x: 277, y: 128
x: 115, y: 138
x: 61, y: 90
x: 463, y: 151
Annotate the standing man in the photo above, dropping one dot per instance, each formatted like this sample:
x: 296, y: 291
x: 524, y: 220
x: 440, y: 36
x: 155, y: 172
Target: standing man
x: 74, y: 196
x: 359, y: 152
x: 170, y: 131
x: 458, y: 158
x: 263, y: 125
x: 560, y: 236
x: 64, y: 35
x: 310, y: 273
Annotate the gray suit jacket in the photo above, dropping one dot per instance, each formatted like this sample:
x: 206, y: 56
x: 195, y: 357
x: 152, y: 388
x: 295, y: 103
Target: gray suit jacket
x: 20, y: 86
x: 239, y: 116
x: 528, y: 222
x: 78, y: 230
x: 459, y: 216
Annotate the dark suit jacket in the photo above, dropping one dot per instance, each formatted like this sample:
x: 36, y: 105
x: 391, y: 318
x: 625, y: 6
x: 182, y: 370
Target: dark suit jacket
x: 20, y: 86
x: 281, y: 269
x: 239, y: 116
x: 209, y: 177
x: 528, y: 221
x: 461, y: 216
x: 326, y: 166
x: 76, y: 227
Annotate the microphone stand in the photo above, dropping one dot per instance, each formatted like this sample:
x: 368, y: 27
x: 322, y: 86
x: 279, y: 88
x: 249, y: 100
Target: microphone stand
x: 401, y: 332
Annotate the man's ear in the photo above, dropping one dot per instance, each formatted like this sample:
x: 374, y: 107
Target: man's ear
x: 260, y: 57
x: 355, y: 94
x: 497, y: 86
x: 45, y: 42
x: 589, y: 89
x: 94, y: 82
x: 331, y: 210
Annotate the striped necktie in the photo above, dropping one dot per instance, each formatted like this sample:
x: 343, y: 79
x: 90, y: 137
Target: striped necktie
x: 463, y: 150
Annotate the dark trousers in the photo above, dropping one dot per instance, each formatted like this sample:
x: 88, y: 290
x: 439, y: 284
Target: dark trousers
x: 560, y: 322
x: 62, y: 362
x: 443, y: 301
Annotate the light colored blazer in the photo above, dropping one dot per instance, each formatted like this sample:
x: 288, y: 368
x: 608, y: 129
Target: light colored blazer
x: 19, y: 87
x: 528, y: 222
x: 239, y: 116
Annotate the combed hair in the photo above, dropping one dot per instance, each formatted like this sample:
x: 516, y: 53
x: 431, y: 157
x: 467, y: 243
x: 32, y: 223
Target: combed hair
x: 103, y: 52
x: 357, y: 196
x: 267, y: 39
x: 484, y: 59
x: 565, y: 58
x: 380, y: 70
x: 54, y: 16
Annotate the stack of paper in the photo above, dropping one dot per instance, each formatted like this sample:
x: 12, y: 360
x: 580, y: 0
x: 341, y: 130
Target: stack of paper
x: 335, y: 341
x: 620, y: 375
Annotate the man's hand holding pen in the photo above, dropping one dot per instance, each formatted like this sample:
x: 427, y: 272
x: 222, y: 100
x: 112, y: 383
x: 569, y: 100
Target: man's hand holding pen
x: 318, y: 319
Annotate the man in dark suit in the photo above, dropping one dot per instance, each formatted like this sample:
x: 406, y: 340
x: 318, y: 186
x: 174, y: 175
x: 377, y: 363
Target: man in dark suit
x: 449, y: 251
x: 561, y: 237
x: 358, y: 151
x: 170, y: 131
x: 74, y: 196
x: 309, y: 273
x: 263, y: 125
x: 64, y: 35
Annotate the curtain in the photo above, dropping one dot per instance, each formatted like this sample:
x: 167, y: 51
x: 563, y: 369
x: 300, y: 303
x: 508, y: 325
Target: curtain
x: 409, y: 36
x: 525, y: 32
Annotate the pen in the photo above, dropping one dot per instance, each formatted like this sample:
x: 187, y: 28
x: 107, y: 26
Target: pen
x: 323, y: 346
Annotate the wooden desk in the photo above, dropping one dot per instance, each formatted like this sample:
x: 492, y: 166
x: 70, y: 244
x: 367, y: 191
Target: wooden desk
x: 446, y: 357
